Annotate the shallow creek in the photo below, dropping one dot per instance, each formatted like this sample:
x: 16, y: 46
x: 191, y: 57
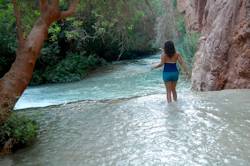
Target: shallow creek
x: 119, y: 116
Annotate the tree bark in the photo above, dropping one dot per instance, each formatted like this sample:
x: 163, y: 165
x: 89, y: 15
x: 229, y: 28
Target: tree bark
x: 20, y: 34
x: 14, y: 82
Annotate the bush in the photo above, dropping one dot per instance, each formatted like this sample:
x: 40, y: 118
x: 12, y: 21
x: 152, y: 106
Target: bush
x: 73, y: 68
x: 20, y: 129
x: 106, y: 29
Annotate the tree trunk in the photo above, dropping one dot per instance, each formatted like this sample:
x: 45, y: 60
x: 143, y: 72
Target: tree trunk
x: 17, y: 79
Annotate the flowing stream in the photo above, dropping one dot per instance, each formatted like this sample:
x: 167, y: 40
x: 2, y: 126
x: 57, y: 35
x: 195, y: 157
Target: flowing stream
x: 120, y: 80
x: 121, y: 118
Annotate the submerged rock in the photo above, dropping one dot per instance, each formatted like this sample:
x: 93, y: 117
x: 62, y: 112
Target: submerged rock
x: 223, y: 57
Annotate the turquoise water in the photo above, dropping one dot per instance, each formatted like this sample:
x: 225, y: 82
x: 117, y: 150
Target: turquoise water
x: 119, y: 80
x: 124, y: 120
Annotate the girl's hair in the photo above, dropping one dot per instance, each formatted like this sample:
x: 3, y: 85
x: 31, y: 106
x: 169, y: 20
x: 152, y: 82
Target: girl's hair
x: 169, y: 49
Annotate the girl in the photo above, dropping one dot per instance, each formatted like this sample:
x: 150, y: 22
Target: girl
x: 170, y: 72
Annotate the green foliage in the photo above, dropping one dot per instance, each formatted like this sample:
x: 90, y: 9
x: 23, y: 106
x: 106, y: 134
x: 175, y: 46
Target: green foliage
x: 186, y: 42
x: 19, y: 128
x: 181, y: 27
x: 187, y: 46
x: 73, y: 68
x: 158, y: 7
x: 124, y: 25
x: 8, y: 42
x: 54, y: 31
x: 107, y: 29
x: 174, y: 2
x: 37, y: 77
x: 7, y: 37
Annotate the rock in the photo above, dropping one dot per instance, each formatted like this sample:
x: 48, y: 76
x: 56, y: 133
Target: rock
x: 222, y: 60
x: 186, y: 7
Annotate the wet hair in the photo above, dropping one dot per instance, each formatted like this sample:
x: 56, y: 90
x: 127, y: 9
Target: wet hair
x: 169, y: 48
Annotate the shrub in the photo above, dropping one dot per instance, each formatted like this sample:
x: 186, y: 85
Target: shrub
x: 73, y: 68
x: 20, y: 129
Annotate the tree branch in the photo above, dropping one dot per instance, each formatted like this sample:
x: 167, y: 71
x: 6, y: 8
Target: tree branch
x: 71, y: 10
x: 43, y: 5
x: 55, y: 3
x: 20, y: 34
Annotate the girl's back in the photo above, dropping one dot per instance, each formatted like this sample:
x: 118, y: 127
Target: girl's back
x: 172, y: 59
x: 170, y: 63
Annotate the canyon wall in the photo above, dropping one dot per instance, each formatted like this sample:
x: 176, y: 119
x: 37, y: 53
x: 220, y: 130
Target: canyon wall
x: 222, y: 60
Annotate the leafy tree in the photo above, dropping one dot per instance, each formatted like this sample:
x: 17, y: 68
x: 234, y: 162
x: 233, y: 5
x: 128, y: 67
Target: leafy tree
x: 14, y: 82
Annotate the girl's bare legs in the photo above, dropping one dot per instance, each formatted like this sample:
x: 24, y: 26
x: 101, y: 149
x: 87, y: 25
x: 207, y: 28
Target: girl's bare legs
x: 168, y: 89
x: 173, y: 90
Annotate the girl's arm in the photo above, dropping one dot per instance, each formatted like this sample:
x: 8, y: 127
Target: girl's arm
x: 160, y: 64
x: 183, y: 65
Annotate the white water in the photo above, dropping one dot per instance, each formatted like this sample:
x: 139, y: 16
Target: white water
x: 211, y: 128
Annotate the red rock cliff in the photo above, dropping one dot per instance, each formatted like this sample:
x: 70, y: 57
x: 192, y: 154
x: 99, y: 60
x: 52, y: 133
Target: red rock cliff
x: 223, y: 57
